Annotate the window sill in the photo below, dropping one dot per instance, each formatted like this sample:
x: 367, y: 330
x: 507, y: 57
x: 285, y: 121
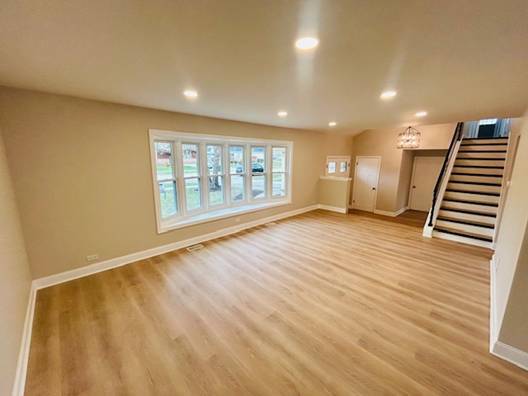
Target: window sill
x: 336, y: 178
x: 219, y: 214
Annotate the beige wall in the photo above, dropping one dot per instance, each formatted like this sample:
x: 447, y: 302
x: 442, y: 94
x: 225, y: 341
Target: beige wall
x: 396, y: 164
x: 514, y: 330
x: 82, y: 175
x: 15, y: 279
x: 334, y: 193
x: 510, y: 278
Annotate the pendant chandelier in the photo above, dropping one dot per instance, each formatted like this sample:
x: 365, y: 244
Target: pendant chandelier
x: 410, y: 138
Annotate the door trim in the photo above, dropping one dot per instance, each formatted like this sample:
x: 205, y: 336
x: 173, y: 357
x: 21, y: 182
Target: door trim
x: 357, y: 158
x: 409, y: 201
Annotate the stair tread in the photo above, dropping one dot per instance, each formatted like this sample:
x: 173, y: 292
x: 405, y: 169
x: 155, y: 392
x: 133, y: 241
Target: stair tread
x: 478, y: 166
x: 479, y: 159
x: 466, y: 222
x: 463, y: 234
x: 474, y: 174
x: 470, y: 212
x: 482, y: 151
x: 471, y: 202
x: 491, y: 194
x: 475, y: 183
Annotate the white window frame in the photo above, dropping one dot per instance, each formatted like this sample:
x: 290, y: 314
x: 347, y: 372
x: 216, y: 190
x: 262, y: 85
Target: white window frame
x: 184, y: 218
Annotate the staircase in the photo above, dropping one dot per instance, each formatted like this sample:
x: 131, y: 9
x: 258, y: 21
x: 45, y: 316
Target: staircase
x: 470, y: 203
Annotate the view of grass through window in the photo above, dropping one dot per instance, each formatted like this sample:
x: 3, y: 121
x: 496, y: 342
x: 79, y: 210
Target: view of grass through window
x: 166, y: 179
x: 191, y: 175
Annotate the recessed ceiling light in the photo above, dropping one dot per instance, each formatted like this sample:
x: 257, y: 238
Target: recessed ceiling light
x: 332, y: 124
x: 421, y: 114
x: 282, y: 113
x: 306, y: 43
x: 190, y: 93
x: 388, y: 95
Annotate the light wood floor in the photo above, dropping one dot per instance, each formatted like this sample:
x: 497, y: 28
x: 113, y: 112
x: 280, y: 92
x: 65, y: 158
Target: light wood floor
x: 317, y: 304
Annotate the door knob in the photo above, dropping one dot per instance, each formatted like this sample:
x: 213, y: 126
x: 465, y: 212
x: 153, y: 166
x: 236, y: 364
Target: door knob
x: 374, y: 188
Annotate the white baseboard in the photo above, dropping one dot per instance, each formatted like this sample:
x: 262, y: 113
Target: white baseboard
x: 130, y: 258
x: 511, y: 354
x: 333, y: 208
x: 391, y: 214
x: 25, y: 343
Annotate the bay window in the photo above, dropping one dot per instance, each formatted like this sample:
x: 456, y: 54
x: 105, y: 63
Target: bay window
x: 200, y: 178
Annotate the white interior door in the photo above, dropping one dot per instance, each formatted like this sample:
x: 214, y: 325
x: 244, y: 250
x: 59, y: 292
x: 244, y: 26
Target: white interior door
x: 425, y: 174
x: 366, y: 183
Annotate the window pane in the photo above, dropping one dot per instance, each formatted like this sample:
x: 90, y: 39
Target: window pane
x: 258, y: 159
x: 216, y: 190
x: 164, y: 170
x: 238, y: 191
x: 168, y: 202
x: 191, y: 165
x: 236, y: 159
x: 342, y: 166
x: 258, y: 186
x: 214, y: 159
x: 278, y: 155
x: 331, y: 167
x: 192, y: 193
x: 278, y: 185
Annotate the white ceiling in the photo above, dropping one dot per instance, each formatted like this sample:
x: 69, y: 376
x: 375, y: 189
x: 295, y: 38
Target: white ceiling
x: 455, y: 59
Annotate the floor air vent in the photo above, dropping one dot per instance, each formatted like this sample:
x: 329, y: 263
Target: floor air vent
x: 195, y: 248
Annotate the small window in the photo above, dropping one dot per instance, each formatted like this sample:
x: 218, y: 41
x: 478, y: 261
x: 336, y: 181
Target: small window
x: 338, y: 166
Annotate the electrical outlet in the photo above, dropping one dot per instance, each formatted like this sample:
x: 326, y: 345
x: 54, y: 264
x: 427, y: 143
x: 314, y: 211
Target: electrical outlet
x: 92, y: 257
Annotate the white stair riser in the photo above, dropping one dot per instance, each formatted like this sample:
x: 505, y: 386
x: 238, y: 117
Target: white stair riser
x: 484, y: 141
x: 467, y: 217
x: 472, y: 207
x: 475, y: 162
x: 481, y: 155
x: 456, y: 238
x: 478, y: 171
x: 473, y: 187
x: 484, y: 148
x: 475, y: 179
x: 471, y: 197
x: 466, y: 228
